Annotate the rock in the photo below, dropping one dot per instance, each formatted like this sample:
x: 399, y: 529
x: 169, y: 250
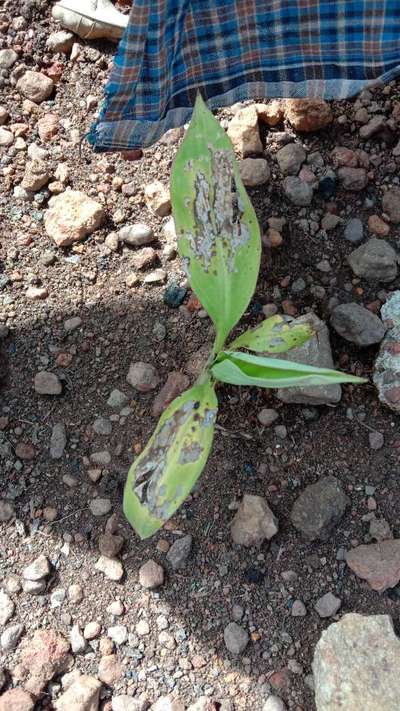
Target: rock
x: 379, y: 530
x: 376, y: 440
x: 36, y: 294
x: 357, y: 324
x: 142, y: 628
x: 92, y: 630
x: 110, y: 669
x: 299, y: 609
x: 7, y: 58
x: 290, y: 158
x: 179, y: 552
x: 34, y: 587
x: 6, y: 138
x: 151, y: 575
x: 391, y: 205
x: 82, y: 695
x: 254, y: 522
x: 144, y: 258
x: 329, y: 222
x: 71, y: 324
x: 378, y: 226
x: 117, y: 400
x: 254, y: 171
x: 116, y: 608
x: 126, y: 703
x: 136, y: 235
x: 110, y: 567
x: 102, y: 426
x: 75, y: 593
x: 271, y: 113
x: 236, y: 638
x: 4, y: 116
x: 387, y: 367
x: 158, y: 276
x: 48, y: 127
x: 274, y: 703
x: 38, y: 569
x: 343, y: 157
x: 308, y: 115
x: 243, y: 132
x: 157, y: 198
x: 118, y: 634
x: 6, y: 511
x: 316, y: 351
x: 110, y: 545
x: 16, y: 700
x: 375, y: 260
x: 167, y: 703
x: 353, y: 179
x: 175, y: 385
x: 297, y: 191
x: 7, y: 608
x: 61, y: 41
x: 25, y: 451
x: 101, y: 459
x: 319, y: 509
x: 77, y: 640
x: 354, y: 231
x: 267, y: 416
x: 36, y: 176
x: 47, y: 383
x: 378, y: 563
x: 58, y: 441
x: 143, y: 377
x: 356, y: 665
x: 328, y: 605
x: 374, y: 125
x: 71, y: 217
x: 35, y: 86
x: 11, y: 636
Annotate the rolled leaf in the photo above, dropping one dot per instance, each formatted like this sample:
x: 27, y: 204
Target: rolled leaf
x: 238, y: 368
x: 162, y: 476
x: 217, y: 229
x: 277, y: 334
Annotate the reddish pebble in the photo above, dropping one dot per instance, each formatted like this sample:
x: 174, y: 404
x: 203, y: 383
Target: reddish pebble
x: 135, y: 154
x: 25, y: 451
x: 64, y: 360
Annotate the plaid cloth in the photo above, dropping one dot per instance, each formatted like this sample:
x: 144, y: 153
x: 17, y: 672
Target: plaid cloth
x: 231, y: 50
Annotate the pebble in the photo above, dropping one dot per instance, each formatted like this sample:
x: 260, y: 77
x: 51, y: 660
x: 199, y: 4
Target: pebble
x: 375, y: 260
x: 267, y: 416
x: 35, y: 86
x: 378, y: 226
x: 353, y: 179
x: 116, y: 608
x: 357, y: 324
x: 254, y: 172
x: 308, y: 115
x: 110, y: 669
x: 36, y: 293
x: 58, y: 440
x: 77, y: 640
x: 61, y: 41
x: 179, y: 552
x: 354, y: 231
x: 37, y: 570
x: 110, y: 567
x: 117, y: 400
x: 75, y: 593
x: 151, y: 575
x: 379, y: 530
x: 328, y: 605
x: 376, y: 440
x: 158, y: 276
x: 101, y: 459
x: 100, y: 507
x: 391, y: 204
x: 102, y: 426
x: 143, y: 377
x: 297, y: 191
x: 110, y: 545
x: 236, y: 638
x: 11, y: 636
x: 244, y: 132
x: 6, y: 511
x: 71, y: 217
x: 378, y: 563
x: 386, y: 370
x: 298, y: 609
x: 71, y: 324
x: 7, y: 58
x: 319, y: 508
x: 274, y: 703
x: 6, y: 137
x: 254, y: 522
x: 25, y: 451
x: 290, y: 158
x: 7, y: 608
x: 47, y: 383
x: 174, y: 296
x: 118, y: 634
x: 126, y: 703
x: 176, y: 383
x: 82, y: 695
x: 157, y: 198
x: 34, y: 587
x: 142, y: 628
x: 136, y: 235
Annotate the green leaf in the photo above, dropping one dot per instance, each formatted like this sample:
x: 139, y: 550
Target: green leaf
x: 277, y: 334
x: 246, y: 369
x: 217, y: 228
x: 162, y: 476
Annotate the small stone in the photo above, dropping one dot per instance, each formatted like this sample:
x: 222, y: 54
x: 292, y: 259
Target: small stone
x: 143, y: 377
x: 36, y: 294
x: 158, y: 276
x: 166, y: 703
x: 354, y: 231
x: 290, y: 158
x: 328, y: 605
x: 116, y: 608
x: 151, y: 575
x: 357, y: 324
x: 57, y: 598
x: 58, y: 441
x: 7, y: 58
x: 126, y: 703
x: 254, y: 172
x: 61, y: 41
x: 78, y: 642
x: 391, y: 205
x: 110, y: 669
x: 35, y: 86
x: 102, y: 426
x: 16, y: 700
x: 236, y: 638
x: 38, y: 569
x: 142, y: 628
x: 376, y: 440
x: 47, y: 383
x: 4, y: 116
x: 100, y: 507
x: 11, y: 636
x: 308, y: 115
x: 174, y: 296
x: 110, y: 567
x: 267, y: 417
x: 144, y: 258
x: 274, y: 703
x: 82, y: 695
x: 7, y: 608
x: 299, y: 609
x: 43, y: 656
x: 179, y: 552
x: 353, y: 179
x: 117, y: 400
x: 379, y: 530
x: 297, y: 191
x: 110, y: 545
x: 375, y: 260
x: 34, y: 587
x: 25, y: 451
x: 71, y: 324
x: 75, y: 593
x: 319, y: 508
x: 244, y: 133
x: 50, y: 513
x: 118, y: 634
x: 158, y: 198
x: 6, y: 138
x: 254, y: 522
x: 136, y: 235
x: 71, y: 217
x: 378, y: 226
x: 6, y: 511
x: 48, y: 127
x: 101, y: 459
x: 271, y: 113
x: 175, y: 385
x: 36, y: 176
x: 378, y: 563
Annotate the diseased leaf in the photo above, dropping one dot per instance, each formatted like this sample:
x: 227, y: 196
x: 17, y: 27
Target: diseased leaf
x: 245, y: 369
x: 277, y: 334
x: 162, y: 476
x: 217, y: 229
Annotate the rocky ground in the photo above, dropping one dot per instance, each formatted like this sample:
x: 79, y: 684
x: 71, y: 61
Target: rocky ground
x: 98, y: 330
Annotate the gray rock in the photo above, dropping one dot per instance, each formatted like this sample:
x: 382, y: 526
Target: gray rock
x: 353, y: 179
x: 102, y: 426
x: 179, y: 552
x: 299, y: 609
x: 254, y: 171
x: 237, y: 613
x: 77, y: 640
x: 47, y: 383
x: 387, y: 364
x: 35, y: 86
x: 374, y: 261
x: 319, y: 508
x: 274, y: 703
x: 117, y: 399
x: 61, y: 41
x: 328, y: 605
x: 126, y: 703
x: 236, y: 638
x: 6, y: 511
x: 100, y: 507
x: 37, y: 570
x: 136, y: 235
x: 267, y: 416
x: 290, y: 158
x: 71, y: 324
x: 354, y: 231
x: 102, y: 459
x: 357, y: 325
x: 58, y: 441
x: 254, y: 522
x: 143, y: 377
x: 297, y: 191
x: 316, y: 351
x: 374, y: 125
x: 34, y: 587
x: 7, y: 58
x: 391, y: 204
x: 379, y: 530
x: 376, y: 440
x: 151, y: 575
x: 11, y: 636
x: 7, y: 608
x: 356, y: 665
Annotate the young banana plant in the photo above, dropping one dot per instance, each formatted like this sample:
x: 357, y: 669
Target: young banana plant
x: 220, y: 246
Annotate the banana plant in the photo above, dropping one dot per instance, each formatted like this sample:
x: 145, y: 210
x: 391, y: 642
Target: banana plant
x: 220, y: 246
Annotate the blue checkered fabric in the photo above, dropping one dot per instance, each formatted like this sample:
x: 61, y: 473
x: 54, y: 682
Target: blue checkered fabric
x: 231, y: 50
